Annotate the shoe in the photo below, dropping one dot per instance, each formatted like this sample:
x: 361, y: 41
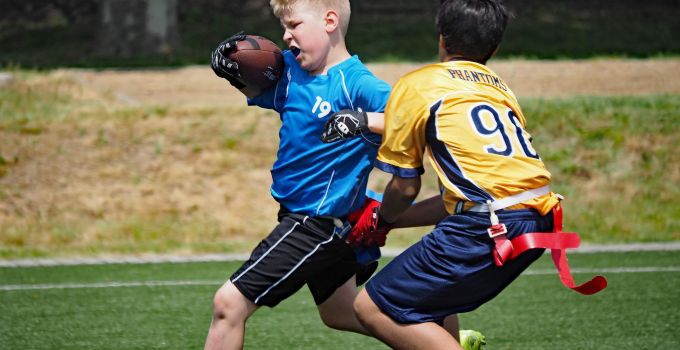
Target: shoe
x: 472, y: 340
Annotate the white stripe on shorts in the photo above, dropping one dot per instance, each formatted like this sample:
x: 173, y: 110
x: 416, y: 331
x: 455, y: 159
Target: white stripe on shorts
x: 265, y: 253
x: 294, y: 268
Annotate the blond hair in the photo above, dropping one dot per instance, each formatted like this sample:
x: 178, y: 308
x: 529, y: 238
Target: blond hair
x: 281, y: 7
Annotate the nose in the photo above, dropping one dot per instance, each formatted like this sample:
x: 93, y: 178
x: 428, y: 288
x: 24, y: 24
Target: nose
x: 287, y: 36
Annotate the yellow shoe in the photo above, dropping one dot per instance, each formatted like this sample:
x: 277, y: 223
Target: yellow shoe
x: 472, y: 340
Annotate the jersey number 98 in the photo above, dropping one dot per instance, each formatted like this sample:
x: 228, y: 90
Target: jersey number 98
x: 495, y: 127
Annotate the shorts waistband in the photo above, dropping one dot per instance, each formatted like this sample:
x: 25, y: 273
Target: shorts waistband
x: 324, y: 221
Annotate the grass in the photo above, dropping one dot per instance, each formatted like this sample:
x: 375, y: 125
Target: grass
x: 636, y: 311
x: 32, y: 99
x: 82, y: 174
x: 610, y: 157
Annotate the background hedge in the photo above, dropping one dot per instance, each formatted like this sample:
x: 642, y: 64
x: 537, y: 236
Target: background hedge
x: 49, y: 33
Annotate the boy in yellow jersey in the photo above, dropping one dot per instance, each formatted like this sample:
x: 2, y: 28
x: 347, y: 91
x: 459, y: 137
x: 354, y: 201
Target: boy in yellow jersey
x: 470, y: 125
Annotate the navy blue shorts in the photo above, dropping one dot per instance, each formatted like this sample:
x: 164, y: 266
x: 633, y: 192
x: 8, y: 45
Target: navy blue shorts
x: 451, y: 270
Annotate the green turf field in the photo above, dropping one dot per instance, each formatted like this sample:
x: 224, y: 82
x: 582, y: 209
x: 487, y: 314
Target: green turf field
x: 168, y: 306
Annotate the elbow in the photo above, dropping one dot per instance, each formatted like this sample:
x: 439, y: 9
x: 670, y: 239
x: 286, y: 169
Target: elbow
x: 411, y: 191
x: 408, y: 187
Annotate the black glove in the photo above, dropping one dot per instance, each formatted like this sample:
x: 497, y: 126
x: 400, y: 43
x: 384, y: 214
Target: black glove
x: 224, y: 67
x: 344, y: 124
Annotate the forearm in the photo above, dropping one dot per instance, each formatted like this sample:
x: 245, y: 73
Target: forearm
x: 424, y: 213
x: 250, y: 92
x: 398, y: 196
x: 376, y: 122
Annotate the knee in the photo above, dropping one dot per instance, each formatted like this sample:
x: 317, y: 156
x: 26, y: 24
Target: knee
x: 222, y: 303
x: 229, y: 305
x: 332, y: 321
x: 339, y: 318
x: 363, y: 308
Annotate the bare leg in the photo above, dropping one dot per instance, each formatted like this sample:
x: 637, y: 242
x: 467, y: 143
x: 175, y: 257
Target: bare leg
x: 337, y: 311
x: 451, y: 325
x: 402, y: 336
x: 230, y: 311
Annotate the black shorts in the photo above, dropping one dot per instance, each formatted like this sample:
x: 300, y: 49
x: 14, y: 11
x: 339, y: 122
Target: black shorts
x: 300, y: 250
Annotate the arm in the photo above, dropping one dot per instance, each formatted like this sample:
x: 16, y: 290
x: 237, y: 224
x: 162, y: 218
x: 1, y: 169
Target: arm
x: 399, y: 194
x: 424, y: 213
x: 427, y: 212
x: 377, y: 219
x: 376, y: 122
x: 251, y: 92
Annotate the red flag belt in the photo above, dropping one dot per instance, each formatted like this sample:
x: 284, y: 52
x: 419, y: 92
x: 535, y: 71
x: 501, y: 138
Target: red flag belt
x: 557, y: 241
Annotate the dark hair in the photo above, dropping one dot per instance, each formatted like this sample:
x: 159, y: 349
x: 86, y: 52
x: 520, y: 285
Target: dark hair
x: 472, y: 28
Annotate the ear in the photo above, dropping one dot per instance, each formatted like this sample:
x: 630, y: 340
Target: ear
x: 443, y: 55
x: 442, y: 44
x: 332, y: 21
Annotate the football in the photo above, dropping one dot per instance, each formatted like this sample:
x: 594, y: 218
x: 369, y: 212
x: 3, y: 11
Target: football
x: 260, y: 61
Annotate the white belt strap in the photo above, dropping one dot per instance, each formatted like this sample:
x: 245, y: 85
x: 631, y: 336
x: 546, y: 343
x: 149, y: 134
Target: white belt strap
x: 519, y: 198
x: 511, y: 200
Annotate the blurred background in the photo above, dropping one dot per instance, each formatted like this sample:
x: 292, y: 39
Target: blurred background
x: 126, y: 33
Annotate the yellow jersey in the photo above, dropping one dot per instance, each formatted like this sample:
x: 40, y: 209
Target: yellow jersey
x: 471, y: 126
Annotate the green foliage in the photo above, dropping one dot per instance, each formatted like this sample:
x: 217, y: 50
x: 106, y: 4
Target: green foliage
x: 395, y: 39
x: 380, y: 30
x: 581, y: 28
x: 525, y: 316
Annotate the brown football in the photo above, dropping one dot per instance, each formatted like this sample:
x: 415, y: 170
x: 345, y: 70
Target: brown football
x: 260, y: 61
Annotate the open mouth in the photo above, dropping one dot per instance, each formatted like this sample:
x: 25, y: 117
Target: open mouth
x: 295, y: 50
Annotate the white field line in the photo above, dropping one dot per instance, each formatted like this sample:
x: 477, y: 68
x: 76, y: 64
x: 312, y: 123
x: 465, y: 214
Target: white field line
x: 386, y: 252
x: 129, y: 284
x: 607, y: 270
x: 177, y: 283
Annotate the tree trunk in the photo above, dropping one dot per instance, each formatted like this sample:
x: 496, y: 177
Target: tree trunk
x: 138, y: 27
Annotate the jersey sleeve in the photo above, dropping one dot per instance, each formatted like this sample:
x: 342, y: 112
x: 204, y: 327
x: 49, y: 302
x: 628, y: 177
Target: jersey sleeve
x: 265, y: 99
x: 371, y: 93
x: 401, y: 151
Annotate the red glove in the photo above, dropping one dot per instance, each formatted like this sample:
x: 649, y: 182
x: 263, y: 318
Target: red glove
x: 366, y: 229
x: 356, y: 237
x: 354, y: 216
x: 377, y: 236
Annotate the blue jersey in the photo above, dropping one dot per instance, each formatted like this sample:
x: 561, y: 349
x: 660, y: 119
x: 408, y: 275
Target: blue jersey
x: 311, y: 177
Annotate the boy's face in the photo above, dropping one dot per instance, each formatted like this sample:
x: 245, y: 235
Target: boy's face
x: 306, y: 34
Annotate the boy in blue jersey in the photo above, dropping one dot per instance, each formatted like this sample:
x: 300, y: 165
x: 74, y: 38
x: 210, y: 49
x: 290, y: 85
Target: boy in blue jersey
x: 317, y: 184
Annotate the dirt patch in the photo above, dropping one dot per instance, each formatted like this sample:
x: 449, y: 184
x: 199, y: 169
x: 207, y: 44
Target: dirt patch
x: 199, y: 86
